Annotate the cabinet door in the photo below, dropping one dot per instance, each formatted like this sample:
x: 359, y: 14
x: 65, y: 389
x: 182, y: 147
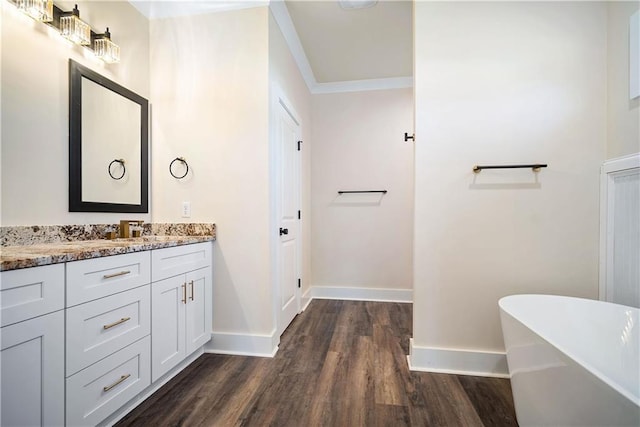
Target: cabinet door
x: 199, y: 313
x: 31, y: 292
x: 167, y: 324
x: 33, y: 372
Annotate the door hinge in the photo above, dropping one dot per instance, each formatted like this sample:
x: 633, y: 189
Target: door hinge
x: 299, y: 142
x: 299, y: 283
x: 298, y: 214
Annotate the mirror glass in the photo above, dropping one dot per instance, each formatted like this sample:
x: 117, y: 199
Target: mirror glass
x: 103, y: 143
x: 108, y: 160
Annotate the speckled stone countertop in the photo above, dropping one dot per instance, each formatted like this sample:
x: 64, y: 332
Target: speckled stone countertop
x: 15, y: 257
x: 21, y: 255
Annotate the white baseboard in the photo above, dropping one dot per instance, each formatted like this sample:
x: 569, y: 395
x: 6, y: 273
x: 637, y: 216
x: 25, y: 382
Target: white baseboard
x: 460, y: 362
x: 361, y: 294
x: 305, y: 300
x: 243, y: 344
x: 267, y: 345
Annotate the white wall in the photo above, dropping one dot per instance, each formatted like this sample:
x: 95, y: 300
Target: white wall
x: 623, y: 131
x: 500, y: 83
x: 35, y: 106
x: 285, y: 75
x: 210, y: 91
x: 362, y: 241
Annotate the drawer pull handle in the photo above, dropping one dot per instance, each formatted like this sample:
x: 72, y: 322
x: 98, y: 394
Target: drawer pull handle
x: 111, y: 325
x: 191, y: 283
x: 184, y: 293
x: 120, y: 273
x: 122, y: 378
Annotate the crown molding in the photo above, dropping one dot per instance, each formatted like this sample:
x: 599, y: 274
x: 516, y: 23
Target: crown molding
x: 363, y: 85
x: 283, y: 19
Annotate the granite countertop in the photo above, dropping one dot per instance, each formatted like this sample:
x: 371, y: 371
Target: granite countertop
x: 24, y: 256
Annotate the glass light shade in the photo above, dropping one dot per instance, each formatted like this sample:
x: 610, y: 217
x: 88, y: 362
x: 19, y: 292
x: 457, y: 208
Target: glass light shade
x: 75, y: 29
x: 40, y: 10
x: 106, y: 50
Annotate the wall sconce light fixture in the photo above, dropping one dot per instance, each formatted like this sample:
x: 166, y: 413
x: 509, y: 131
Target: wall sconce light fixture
x: 40, y: 10
x: 105, y: 49
x: 72, y: 27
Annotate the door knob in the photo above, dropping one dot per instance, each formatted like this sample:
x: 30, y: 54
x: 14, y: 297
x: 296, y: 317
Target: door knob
x: 284, y: 231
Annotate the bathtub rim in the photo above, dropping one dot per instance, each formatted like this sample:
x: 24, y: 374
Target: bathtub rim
x: 635, y: 399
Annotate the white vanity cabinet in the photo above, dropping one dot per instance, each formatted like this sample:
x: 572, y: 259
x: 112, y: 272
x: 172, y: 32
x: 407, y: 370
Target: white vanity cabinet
x: 107, y: 335
x: 181, y: 304
x: 81, y: 340
x: 32, y: 359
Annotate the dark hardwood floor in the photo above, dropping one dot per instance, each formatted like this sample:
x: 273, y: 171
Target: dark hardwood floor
x: 340, y: 363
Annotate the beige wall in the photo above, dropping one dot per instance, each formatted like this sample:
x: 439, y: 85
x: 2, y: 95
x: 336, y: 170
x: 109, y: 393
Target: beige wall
x: 623, y: 131
x: 210, y: 91
x: 362, y: 241
x: 284, y: 74
x: 499, y: 83
x: 35, y: 106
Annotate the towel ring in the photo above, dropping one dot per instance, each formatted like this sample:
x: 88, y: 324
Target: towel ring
x: 124, y: 169
x: 184, y: 162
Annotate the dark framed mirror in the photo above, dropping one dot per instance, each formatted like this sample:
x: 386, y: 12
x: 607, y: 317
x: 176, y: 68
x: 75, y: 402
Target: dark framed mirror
x: 108, y: 145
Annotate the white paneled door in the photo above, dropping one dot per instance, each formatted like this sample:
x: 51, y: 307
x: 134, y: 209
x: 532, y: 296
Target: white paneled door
x: 287, y: 148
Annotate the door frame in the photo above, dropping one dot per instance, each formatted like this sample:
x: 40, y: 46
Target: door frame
x: 279, y: 100
x: 608, y: 171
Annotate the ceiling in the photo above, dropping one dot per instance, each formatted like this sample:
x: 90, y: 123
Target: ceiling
x: 336, y: 49
x: 355, y: 44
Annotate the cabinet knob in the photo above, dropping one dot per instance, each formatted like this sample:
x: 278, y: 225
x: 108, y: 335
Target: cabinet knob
x: 284, y: 231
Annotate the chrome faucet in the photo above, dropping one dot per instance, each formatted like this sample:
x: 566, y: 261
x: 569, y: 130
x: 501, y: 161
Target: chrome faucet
x: 125, y: 228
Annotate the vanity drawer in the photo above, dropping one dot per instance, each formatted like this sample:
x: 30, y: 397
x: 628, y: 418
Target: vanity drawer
x: 99, y: 328
x: 95, y: 278
x: 31, y: 292
x: 169, y: 262
x: 96, y: 392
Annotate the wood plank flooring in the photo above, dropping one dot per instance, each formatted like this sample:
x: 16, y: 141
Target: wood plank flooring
x: 340, y: 363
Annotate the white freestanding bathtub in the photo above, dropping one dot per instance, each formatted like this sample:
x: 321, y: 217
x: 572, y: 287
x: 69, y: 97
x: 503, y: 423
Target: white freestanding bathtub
x: 572, y: 361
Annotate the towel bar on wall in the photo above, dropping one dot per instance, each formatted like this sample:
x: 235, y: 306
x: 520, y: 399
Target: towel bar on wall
x: 363, y: 191
x: 535, y: 167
